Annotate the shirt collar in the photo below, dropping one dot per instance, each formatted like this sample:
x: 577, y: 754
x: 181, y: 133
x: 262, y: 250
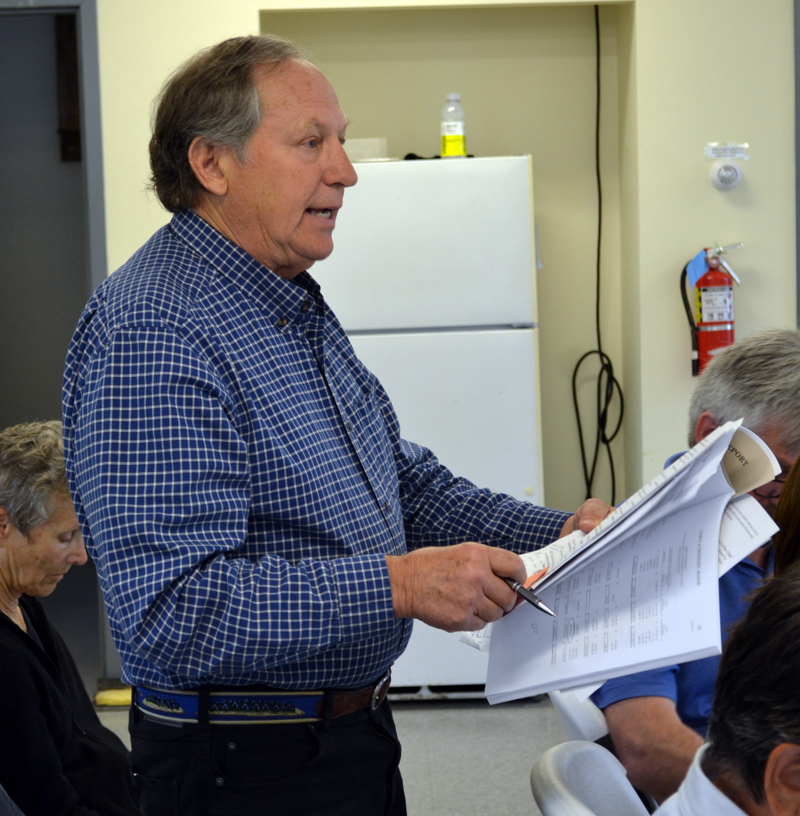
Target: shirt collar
x: 698, y: 794
x: 279, y: 297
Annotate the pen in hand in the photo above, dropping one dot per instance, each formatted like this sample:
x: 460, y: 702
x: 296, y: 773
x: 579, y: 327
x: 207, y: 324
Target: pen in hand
x: 529, y: 596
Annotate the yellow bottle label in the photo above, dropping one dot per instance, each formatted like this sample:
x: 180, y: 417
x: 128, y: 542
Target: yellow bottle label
x: 453, y: 141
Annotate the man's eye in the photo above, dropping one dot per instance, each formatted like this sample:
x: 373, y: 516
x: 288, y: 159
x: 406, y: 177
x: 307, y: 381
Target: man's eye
x: 312, y: 143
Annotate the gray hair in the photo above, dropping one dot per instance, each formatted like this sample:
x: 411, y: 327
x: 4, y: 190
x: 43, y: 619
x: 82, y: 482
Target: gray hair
x: 757, y: 378
x: 214, y: 95
x: 32, y: 472
x: 756, y: 704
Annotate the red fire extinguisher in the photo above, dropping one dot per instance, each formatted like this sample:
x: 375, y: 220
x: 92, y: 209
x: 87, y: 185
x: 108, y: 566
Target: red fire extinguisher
x: 712, y: 324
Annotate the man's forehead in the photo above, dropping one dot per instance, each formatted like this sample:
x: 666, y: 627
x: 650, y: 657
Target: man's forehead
x: 301, y: 95
x: 294, y: 81
x: 786, y: 450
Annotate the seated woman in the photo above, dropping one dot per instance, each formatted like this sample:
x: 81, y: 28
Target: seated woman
x: 55, y: 756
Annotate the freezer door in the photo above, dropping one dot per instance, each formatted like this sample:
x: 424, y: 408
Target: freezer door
x: 423, y: 244
x: 471, y: 397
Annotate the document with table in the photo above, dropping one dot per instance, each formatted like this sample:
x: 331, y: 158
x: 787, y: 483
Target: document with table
x: 641, y: 590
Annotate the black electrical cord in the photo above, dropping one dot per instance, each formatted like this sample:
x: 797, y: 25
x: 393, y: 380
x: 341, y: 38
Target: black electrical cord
x: 692, y: 326
x: 607, y: 384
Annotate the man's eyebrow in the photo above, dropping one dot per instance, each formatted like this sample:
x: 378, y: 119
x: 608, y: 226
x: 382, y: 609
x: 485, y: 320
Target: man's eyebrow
x: 314, y: 123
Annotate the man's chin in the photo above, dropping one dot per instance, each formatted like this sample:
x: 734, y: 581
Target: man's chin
x: 298, y: 262
x: 318, y: 254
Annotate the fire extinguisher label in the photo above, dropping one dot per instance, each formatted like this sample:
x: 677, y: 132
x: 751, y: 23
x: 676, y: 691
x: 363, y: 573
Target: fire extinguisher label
x: 716, y: 304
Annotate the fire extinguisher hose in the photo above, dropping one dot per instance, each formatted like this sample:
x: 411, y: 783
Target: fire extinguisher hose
x: 692, y: 326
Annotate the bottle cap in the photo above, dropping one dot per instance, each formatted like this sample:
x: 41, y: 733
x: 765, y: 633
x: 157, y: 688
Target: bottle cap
x: 453, y: 97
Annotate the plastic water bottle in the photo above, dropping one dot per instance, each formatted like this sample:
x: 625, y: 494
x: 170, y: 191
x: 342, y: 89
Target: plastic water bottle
x: 453, y: 140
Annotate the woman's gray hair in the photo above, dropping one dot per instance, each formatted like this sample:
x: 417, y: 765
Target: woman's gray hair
x: 214, y: 95
x: 32, y: 472
x: 757, y: 378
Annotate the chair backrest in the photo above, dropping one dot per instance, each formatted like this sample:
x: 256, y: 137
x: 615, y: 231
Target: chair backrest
x: 582, y: 719
x: 582, y: 778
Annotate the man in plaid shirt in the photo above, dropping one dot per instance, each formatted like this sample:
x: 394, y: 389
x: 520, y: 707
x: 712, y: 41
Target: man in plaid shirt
x: 263, y: 534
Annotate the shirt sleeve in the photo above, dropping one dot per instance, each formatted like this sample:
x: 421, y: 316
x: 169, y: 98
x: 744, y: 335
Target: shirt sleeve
x: 163, y: 477
x: 653, y: 683
x: 440, y: 509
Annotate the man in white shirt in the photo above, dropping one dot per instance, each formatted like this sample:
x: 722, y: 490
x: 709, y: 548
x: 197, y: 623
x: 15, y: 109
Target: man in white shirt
x: 751, y: 762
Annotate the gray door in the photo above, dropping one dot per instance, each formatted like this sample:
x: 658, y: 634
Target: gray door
x: 45, y: 274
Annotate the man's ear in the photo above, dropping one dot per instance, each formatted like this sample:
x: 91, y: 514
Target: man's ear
x: 782, y: 780
x: 5, y: 525
x: 209, y: 164
x: 705, y: 425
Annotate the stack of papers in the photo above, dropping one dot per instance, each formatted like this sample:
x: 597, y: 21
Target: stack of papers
x: 641, y: 590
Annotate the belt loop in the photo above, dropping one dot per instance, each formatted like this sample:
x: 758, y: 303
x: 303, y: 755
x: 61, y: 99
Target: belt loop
x: 327, y: 713
x: 203, y: 696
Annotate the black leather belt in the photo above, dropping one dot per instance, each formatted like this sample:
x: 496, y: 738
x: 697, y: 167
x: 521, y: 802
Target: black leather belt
x: 247, y: 706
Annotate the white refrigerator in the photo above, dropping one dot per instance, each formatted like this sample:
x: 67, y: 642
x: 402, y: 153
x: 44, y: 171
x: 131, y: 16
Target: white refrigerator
x: 433, y: 278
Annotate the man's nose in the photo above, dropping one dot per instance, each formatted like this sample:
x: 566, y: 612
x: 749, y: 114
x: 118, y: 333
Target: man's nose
x: 341, y: 170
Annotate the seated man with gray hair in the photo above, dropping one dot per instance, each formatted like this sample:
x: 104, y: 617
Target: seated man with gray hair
x: 657, y: 719
x: 751, y: 763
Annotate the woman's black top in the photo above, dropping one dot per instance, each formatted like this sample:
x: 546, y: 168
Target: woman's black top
x: 56, y: 758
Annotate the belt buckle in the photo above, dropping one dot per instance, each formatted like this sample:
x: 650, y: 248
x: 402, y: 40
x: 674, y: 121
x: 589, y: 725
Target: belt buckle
x: 381, y: 690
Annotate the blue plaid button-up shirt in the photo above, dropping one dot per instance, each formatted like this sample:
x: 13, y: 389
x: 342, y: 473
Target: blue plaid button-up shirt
x: 239, y: 475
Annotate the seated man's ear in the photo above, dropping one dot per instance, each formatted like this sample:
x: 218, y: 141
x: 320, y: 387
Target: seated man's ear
x: 782, y: 780
x: 705, y: 425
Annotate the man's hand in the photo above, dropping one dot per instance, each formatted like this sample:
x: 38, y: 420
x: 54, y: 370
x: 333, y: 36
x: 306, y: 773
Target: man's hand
x: 589, y: 515
x: 454, y: 588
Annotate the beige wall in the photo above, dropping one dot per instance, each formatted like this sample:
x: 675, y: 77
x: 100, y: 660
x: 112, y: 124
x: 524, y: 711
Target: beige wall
x: 526, y: 76
x: 686, y: 91
x: 140, y: 43
x: 666, y: 93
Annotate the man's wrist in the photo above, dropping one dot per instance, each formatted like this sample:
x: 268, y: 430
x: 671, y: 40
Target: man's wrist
x: 399, y: 570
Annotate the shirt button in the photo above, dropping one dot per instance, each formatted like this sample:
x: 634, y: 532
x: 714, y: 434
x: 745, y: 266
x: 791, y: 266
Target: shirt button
x: 306, y: 306
x: 231, y: 746
x: 386, y: 507
x: 349, y: 427
x: 220, y: 781
x: 282, y: 321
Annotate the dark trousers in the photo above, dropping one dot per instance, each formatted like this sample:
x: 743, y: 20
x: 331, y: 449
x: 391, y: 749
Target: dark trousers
x: 343, y: 767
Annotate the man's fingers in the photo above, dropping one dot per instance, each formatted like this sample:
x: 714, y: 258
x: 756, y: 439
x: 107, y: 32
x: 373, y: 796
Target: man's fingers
x: 569, y: 526
x: 507, y: 564
x: 589, y: 515
x: 456, y: 587
x: 501, y: 595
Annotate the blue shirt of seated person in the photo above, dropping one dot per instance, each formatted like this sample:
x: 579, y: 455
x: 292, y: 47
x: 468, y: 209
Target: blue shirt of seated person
x: 691, y: 685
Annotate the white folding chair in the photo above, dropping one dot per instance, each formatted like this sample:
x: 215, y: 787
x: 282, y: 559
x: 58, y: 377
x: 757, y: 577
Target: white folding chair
x: 582, y: 720
x: 582, y: 778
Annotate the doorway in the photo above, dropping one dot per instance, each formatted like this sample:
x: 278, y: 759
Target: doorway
x: 50, y: 234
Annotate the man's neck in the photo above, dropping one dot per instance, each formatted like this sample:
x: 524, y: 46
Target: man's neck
x: 732, y: 787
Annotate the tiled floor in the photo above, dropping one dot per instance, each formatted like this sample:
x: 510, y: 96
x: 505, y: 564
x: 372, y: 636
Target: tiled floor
x: 461, y: 758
